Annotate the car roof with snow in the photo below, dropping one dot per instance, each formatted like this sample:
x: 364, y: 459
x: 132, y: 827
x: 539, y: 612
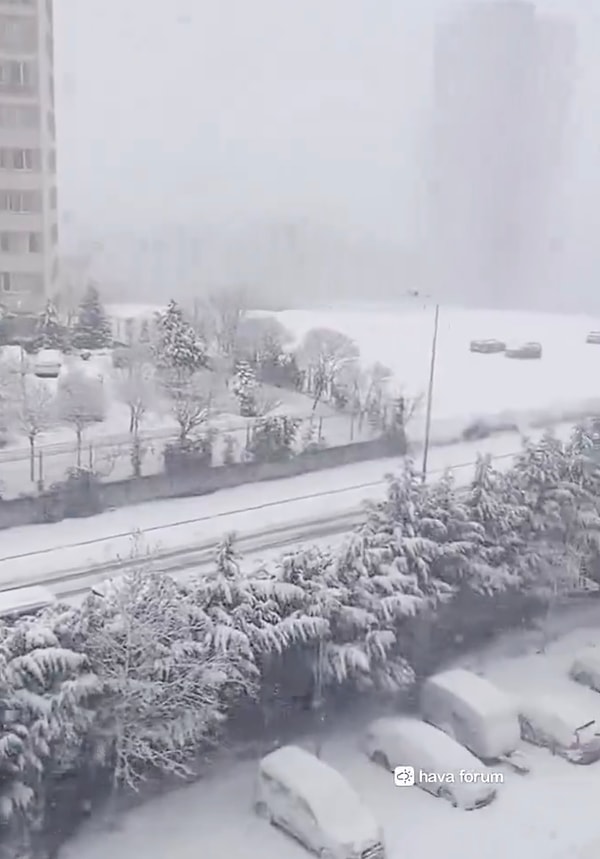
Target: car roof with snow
x: 440, y: 746
x: 310, y: 777
x: 479, y: 692
x: 589, y: 656
x: 572, y: 713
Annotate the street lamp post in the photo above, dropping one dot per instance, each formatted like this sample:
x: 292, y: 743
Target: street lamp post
x: 430, y: 392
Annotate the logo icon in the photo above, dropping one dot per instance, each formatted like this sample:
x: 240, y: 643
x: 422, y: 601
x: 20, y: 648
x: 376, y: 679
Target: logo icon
x: 404, y: 776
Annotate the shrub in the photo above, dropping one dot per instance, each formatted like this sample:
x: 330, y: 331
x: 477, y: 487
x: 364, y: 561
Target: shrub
x: 272, y: 439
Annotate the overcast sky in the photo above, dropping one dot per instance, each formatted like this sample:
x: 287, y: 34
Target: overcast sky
x: 210, y: 109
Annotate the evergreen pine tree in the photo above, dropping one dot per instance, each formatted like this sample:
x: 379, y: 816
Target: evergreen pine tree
x: 92, y: 329
x: 244, y: 387
x: 178, y: 347
x: 50, y: 333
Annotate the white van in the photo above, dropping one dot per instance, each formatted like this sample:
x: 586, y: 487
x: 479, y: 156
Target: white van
x: 442, y: 766
x: 473, y: 711
x: 312, y: 802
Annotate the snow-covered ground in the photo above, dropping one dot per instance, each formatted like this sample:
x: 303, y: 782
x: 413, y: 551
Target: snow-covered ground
x: 32, y: 551
x: 471, y: 385
x: 549, y: 813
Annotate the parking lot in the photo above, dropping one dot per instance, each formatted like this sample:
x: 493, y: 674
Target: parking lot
x: 547, y: 813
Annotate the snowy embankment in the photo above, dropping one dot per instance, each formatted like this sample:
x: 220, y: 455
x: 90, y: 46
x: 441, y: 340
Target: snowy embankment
x: 549, y: 813
x: 469, y: 386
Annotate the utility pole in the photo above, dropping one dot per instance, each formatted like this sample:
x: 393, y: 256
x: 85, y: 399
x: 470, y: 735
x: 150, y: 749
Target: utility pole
x: 430, y: 392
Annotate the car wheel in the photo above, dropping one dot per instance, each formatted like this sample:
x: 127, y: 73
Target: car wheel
x: 261, y: 810
x: 381, y: 760
x: 446, y: 794
x: 527, y: 732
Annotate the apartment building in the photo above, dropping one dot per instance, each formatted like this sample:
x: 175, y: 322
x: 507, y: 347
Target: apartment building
x: 28, y: 192
x: 504, y: 76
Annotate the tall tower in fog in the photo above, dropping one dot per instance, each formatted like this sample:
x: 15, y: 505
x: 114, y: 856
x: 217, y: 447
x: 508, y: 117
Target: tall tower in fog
x: 28, y: 194
x: 503, y: 82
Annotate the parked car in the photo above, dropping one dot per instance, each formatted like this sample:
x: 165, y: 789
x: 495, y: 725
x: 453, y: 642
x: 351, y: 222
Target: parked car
x: 312, y: 802
x: 556, y: 723
x: 586, y: 668
x: 593, y: 337
x: 393, y: 742
x: 28, y: 600
x: 474, y: 712
x: 47, y: 363
x: 524, y: 351
x: 487, y: 347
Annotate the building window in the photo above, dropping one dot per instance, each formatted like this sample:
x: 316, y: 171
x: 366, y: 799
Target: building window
x: 20, y: 201
x: 50, y: 47
x: 54, y: 234
x: 51, y: 123
x: 35, y: 243
x: 52, y: 161
x: 18, y: 75
x: 5, y: 281
x: 20, y: 159
x: 21, y: 243
x: 53, y: 198
x: 19, y: 116
x: 18, y: 34
x: 21, y: 282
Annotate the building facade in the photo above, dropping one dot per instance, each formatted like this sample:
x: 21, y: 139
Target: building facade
x: 28, y: 187
x: 504, y: 75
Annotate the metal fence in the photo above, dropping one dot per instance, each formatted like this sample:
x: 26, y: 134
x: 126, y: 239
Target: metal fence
x: 111, y: 457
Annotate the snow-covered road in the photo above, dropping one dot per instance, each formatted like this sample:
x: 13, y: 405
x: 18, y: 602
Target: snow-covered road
x: 546, y: 814
x: 34, y: 550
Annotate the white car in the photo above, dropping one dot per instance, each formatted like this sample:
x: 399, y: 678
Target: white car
x: 314, y: 803
x: 586, y: 668
x: 558, y: 724
x: 593, y: 337
x: 487, y: 347
x: 48, y: 363
x: 524, y: 351
x: 441, y: 766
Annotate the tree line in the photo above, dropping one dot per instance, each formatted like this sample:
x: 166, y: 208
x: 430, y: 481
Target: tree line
x: 149, y: 679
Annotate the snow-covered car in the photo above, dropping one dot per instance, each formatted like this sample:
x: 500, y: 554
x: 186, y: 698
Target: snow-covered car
x: 440, y: 763
x: 556, y: 723
x: 48, y: 363
x: 586, y: 668
x: 487, y: 347
x: 312, y: 802
x: 593, y: 337
x: 28, y: 600
x: 524, y: 351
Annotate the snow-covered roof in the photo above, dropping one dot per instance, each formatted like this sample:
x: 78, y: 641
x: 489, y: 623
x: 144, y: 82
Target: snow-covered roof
x: 446, y: 752
x: 311, y: 778
x: 479, y: 692
x: 23, y: 600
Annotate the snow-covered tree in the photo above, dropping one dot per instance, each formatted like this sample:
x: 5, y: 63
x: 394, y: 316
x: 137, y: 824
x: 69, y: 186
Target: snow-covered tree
x: 160, y: 686
x: 46, y: 693
x: 49, y: 331
x: 244, y: 387
x: 178, y: 346
x: 92, y: 329
x: 190, y: 398
x: 227, y: 308
x: 324, y: 353
x: 136, y: 387
x: 81, y: 401
x: 261, y: 341
x: 35, y: 412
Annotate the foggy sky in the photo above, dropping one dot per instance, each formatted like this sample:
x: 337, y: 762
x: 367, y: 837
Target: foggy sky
x: 195, y: 109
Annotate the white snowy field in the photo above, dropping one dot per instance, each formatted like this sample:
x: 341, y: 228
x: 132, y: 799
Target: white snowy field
x: 549, y: 813
x: 31, y: 552
x: 469, y: 385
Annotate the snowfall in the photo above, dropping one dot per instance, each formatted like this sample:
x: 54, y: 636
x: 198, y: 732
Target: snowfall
x: 549, y: 813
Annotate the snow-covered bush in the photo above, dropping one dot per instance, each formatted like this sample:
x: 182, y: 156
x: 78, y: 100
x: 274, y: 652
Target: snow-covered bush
x: 272, y: 439
x: 244, y: 387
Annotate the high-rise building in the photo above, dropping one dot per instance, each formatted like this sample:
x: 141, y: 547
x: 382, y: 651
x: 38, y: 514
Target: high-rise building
x: 503, y: 79
x: 28, y: 192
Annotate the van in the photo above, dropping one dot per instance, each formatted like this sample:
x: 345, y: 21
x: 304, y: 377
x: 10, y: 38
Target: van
x: 313, y: 803
x: 474, y: 712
